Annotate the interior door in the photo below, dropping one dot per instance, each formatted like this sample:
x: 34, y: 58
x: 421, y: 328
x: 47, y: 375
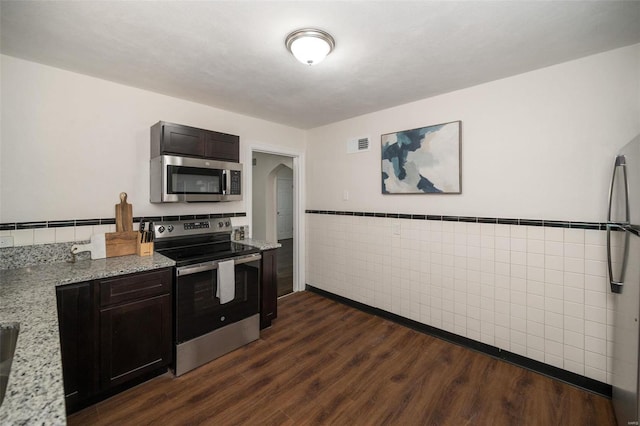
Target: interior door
x: 285, y: 208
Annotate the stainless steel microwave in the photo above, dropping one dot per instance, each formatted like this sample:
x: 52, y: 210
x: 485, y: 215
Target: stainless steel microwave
x: 185, y: 179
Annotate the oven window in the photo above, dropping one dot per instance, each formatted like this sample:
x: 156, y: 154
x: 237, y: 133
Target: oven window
x: 198, y: 310
x: 194, y: 180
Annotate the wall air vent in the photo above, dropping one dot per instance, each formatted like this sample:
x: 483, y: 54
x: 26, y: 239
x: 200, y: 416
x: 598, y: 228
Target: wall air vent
x: 358, y: 145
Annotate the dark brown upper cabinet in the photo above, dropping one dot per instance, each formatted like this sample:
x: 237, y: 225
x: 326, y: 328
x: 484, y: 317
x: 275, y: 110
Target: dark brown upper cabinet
x: 176, y: 139
x: 221, y: 146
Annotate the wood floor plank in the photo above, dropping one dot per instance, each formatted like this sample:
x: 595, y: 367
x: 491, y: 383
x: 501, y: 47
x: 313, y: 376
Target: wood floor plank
x: 322, y: 363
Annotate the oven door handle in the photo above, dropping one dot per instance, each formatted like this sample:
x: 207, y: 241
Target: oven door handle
x: 209, y: 266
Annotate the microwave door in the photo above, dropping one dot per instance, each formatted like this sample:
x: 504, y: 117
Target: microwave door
x: 184, y: 179
x: 195, y: 184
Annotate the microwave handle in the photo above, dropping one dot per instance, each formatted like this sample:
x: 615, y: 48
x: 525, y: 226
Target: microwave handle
x: 225, y: 176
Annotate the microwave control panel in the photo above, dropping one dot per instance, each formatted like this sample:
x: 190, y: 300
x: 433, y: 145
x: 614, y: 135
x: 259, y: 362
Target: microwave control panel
x: 236, y: 183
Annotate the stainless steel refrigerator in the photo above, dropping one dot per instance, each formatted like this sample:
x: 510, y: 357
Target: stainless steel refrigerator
x: 623, y: 253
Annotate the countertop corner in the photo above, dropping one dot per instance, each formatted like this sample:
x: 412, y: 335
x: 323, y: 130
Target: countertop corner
x: 35, y: 392
x: 260, y: 244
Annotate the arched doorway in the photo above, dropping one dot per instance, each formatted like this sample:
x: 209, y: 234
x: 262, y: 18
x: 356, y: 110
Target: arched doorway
x: 273, y: 214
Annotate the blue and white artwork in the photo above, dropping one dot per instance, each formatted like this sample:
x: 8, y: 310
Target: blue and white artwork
x: 422, y: 161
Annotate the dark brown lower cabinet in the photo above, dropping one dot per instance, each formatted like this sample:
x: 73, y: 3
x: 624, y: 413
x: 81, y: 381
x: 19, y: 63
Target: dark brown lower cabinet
x: 112, y: 332
x: 76, y: 319
x: 135, y: 338
x: 269, y: 288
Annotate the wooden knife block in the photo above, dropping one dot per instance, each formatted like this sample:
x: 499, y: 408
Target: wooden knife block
x: 144, y: 249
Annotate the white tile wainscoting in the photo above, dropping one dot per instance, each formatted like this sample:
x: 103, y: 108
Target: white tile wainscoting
x: 539, y: 292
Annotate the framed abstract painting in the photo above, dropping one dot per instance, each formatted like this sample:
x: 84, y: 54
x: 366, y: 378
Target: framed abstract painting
x: 422, y: 161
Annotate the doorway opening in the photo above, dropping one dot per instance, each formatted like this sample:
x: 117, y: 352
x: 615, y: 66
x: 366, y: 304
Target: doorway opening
x: 273, y: 212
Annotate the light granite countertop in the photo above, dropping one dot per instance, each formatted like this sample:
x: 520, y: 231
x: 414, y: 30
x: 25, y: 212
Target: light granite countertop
x: 260, y: 244
x: 35, y: 392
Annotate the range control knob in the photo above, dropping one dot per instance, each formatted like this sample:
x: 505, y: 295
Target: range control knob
x: 170, y: 228
x: 227, y: 223
x: 220, y: 224
x: 161, y: 229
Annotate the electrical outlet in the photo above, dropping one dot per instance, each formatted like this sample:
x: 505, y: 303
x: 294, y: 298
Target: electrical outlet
x: 6, y: 242
x: 345, y: 195
x: 396, y: 229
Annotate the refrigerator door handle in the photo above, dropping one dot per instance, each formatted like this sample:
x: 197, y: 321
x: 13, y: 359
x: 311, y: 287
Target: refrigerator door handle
x: 621, y: 161
x: 616, y: 285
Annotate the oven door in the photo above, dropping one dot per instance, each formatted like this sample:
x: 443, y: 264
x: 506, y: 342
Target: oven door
x: 197, y: 309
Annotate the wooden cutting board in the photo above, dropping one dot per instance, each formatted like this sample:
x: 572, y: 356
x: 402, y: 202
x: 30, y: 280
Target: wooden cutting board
x: 121, y: 243
x: 111, y: 244
x: 124, y: 215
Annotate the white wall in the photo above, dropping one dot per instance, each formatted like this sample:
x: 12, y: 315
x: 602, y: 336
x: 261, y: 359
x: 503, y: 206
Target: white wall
x: 71, y: 143
x: 538, y: 145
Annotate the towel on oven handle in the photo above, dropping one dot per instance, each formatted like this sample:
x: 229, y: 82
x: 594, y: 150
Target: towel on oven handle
x: 226, y: 288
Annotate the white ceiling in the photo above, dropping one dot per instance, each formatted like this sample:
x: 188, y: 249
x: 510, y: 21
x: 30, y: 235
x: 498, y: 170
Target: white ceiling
x: 231, y: 55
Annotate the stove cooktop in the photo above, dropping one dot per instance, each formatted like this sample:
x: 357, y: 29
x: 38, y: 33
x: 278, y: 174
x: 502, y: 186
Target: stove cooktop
x: 189, y: 255
x: 189, y: 242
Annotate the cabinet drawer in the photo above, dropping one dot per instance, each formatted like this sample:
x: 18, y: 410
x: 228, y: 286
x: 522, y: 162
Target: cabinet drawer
x: 135, y: 286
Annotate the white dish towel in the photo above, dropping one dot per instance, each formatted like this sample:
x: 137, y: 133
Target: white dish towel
x: 226, y: 288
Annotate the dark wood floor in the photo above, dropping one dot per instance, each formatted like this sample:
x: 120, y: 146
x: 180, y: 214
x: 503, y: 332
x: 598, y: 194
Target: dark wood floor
x: 326, y: 363
x: 285, y: 267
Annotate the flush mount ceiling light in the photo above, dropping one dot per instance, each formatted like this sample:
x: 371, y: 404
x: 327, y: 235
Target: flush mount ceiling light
x: 309, y: 45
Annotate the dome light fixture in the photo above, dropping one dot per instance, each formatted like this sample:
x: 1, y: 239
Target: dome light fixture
x: 309, y: 45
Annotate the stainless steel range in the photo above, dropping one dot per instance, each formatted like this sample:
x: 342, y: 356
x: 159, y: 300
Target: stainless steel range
x: 216, y: 289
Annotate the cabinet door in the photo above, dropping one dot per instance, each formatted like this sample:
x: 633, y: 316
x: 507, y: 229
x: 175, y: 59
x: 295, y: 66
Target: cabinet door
x: 78, y: 340
x: 182, y: 140
x: 269, y: 287
x: 135, y: 338
x: 221, y: 146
